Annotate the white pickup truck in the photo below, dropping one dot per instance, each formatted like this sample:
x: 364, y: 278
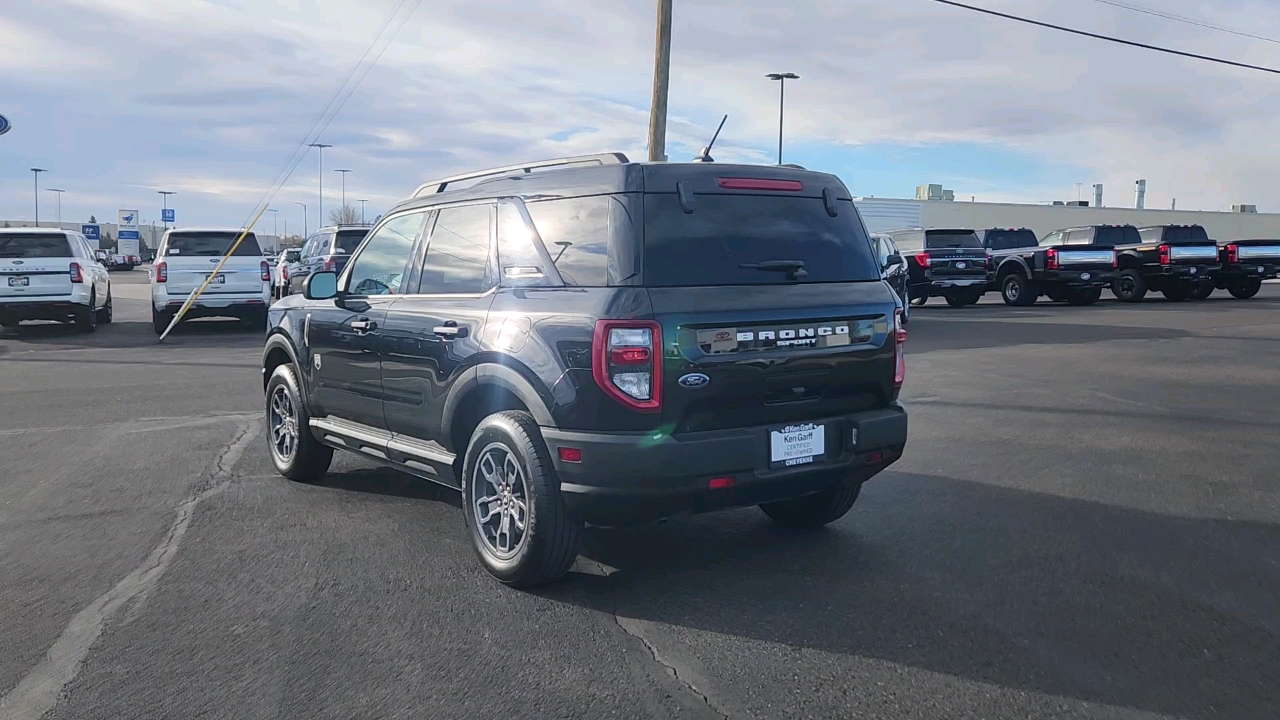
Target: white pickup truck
x: 187, y: 258
x: 49, y: 274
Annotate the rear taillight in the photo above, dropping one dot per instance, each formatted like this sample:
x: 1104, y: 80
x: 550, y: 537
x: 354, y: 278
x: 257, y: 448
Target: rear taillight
x: 266, y: 271
x: 1051, y: 257
x: 899, y: 349
x: 990, y: 261
x: 284, y: 272
x: 627, y: 362
x: 1233, y: 254
x: 923, y: 260
x: 77, y: 276
x: 1164, y: 255
x: 1115, y: 260
x: 330, y: 265
x: 162, y: 272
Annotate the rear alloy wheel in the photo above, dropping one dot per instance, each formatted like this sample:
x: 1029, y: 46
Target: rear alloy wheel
x: 512, y: 506
x: 87, y: 320
x: 1129, y: 286
x: 1202, y: 291
x: 1018, y: 290
x: 814, y: 511
x: 1087, y: 296
x: 1245, y: 289
x: 295, y: 452
x: 106, y: 313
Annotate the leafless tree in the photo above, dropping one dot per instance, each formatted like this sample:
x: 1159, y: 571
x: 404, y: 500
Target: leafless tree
x: 345, y: 215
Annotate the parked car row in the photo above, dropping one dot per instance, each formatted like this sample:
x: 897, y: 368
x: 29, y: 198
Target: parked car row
x: 50, y: 274
x: 327, y: 251
x: 1075, y: 264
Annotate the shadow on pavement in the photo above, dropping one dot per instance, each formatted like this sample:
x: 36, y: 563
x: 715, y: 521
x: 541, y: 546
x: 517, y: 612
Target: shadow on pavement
x: 196, y: 333
x: 1019, y: 589
x: 925, y: 336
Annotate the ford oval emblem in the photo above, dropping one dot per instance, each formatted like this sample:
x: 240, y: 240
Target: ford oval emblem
x: 694, y: 380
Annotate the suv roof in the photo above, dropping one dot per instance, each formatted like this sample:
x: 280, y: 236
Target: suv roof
x: 29, y: 230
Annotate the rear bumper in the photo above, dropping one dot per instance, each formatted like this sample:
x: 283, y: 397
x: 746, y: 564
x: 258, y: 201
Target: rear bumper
x: 1265, y: 269
x: 52, y: 308
x: 936, y: 287
x: 1192, y: 273
x: 627, y: 477
x: 215, y: 304
x: 1081, y: 278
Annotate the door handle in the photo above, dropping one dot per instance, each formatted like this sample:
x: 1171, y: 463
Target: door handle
x: 450, y: 331
x: 363, y: 326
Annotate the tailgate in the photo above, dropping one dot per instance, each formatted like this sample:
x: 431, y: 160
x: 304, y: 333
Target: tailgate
x: 957, y: 263
x: 1193, y: 254
x: 38, y: 277
x: 239, y: 275
x: 1252, y: 251
x: 773, y: 355
x: 1087, y: 259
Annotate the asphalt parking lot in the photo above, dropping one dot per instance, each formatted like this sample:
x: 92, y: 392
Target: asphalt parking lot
x: 1086, y: 523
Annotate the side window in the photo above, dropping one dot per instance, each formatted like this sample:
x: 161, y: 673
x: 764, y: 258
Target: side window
x: 575, y: 232
x: 1053, y: 238
x: 458, y: 254
x: 379, y: 268
x: 307, y: 246
x: 521, y: 260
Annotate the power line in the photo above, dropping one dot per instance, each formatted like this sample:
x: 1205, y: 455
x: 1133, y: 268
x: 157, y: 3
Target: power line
x: 1182, y: 19
x: 1109, y: 38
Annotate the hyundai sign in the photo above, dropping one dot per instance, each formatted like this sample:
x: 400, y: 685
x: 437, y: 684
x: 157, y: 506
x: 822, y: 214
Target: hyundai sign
x: 91, y: 232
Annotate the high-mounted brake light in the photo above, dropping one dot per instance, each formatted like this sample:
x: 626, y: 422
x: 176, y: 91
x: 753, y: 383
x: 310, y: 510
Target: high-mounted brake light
x: 626, y: 362
x: 1051, y: 257
x: 77, y: 276
x: 1233, y: 254
x: 899, y: 349
x: 266, y: 271
x: 923, y: 260
x: 1164, y: 255
x: 162, y: 272
x: 759, y: 184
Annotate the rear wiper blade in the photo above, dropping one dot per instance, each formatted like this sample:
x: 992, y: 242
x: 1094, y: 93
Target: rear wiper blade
x: 793, y: 268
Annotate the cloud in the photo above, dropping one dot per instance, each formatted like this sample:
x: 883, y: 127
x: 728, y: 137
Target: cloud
x: 120, y: 98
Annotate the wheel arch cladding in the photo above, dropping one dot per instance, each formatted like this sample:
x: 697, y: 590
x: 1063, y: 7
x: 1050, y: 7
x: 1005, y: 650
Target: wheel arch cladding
x: 482, y: 391
x: 276, y: 353
x: 1010, y: 266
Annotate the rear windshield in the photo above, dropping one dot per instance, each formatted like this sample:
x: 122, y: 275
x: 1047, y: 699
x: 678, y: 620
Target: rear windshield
x: 1186, y: 235
x: 349, y: 240
x: 211, y: 244
x: 1116, y: 236
x: 727, y: 237
x: 1006, y: 239
x: 34, y: 245
x: 966, y: 239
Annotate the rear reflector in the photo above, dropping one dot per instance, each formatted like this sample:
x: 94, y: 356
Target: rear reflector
x: 720, y: 483
x: 568, y: 454
x: 759, y: 184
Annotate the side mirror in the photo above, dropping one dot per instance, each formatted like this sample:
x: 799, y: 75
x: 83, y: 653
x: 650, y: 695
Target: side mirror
x: 320, y: 286
x: 894, y: 259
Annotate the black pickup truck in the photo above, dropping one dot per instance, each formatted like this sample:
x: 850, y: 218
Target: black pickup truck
x: 943, y: 263
x: 1067, y: 265
x: 1180, y: 261
x: 1245, y: 264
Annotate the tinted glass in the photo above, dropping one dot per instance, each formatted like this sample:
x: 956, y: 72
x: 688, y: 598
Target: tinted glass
x: 34, y: 246
x: 576, y: 234
x: 969, y: 239
x: 1150, y: 235
x: 349, y: 240
x: 458, y: 253
x: 518, y: 256
x: 1006, y: 239
x: 211, y: 244
x: 379, y: 268
x: 1116, y: 236
x: 1186, y: 235
x: 726, y: 232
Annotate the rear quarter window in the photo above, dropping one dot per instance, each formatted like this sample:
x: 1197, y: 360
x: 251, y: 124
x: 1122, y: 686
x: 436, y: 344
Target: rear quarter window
x: 716, y: 244
x: 575, y: 233
x: 34, y: 245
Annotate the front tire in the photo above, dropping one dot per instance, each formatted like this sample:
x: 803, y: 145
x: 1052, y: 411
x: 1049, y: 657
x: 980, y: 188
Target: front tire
x: 512, y: 507
x: 1088, y: 296
x: 1177, y: 293
x: 1129, y: 286
x: 1245, y: 289
x: 295, y: 452
x: 920, y: 301
x: 814, y: 511
x: 1202, y: 291
x: 1018, y: 290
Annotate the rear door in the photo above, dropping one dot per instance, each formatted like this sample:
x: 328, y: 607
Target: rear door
x: 746, y: 339
x: 192, y: 257
x: 955, y: 255
x: 34, y: 265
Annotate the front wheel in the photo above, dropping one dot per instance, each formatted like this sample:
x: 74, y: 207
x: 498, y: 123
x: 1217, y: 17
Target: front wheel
x: 814, y: 511
x: 295, y: 452
x: 1202, y: 291
x: 512, y: 506
x: 1177, y: 293
x: 920, y: 301
x: 1129, y: 286
x: 1245, y: 289
x: 1088, y: 296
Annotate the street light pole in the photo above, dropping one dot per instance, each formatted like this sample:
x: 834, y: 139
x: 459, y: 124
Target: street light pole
x: 56, y: 190
x: 164, y: 201
x: 304, y: 219
x: 362, y: 202
x: 782, y: 79
x: 320, y: 150
x: 344, y: 187
x: 275, y: 223
x: 661, y: 83
x: 35, y: 172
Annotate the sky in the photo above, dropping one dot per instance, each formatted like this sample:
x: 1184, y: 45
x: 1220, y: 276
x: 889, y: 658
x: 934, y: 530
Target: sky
x: 119, y: 99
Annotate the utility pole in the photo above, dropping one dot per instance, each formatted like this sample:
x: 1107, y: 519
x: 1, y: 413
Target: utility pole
x: 362, y: 202
x: 304, y: 219
x: 320, y: 150
x: 344, y: 187
x: 782, y: 79
x: 36, y: 173
x: 661, y: 82
x: 56, y: 190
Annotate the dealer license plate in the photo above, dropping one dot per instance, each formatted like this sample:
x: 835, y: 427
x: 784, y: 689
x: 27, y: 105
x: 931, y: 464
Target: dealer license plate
x: 217, y: 279
x: 798, y: 444
x: 22, y: 281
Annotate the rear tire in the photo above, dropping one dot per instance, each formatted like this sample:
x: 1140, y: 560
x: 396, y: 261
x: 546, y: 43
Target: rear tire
x: 1202, y: 291
x: 87, y: 320
x: 1129, y: 286
x: 512, y: 507
x: 814, y: 511
x: 964, y: 299
x: 1245, y: 289
x: 1017, y: 290
x: 1177, y: 293
x: 160, y: 320
x: 295, y: 452
x: 1085, y: 297
x: 106, y: 313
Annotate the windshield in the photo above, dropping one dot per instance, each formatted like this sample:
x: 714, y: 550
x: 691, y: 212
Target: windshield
x: 1127, y: 235
x: 34, y: 245
x: 349, y: 240
x: 1006, y: 239
x: 951, y: 239
x: 211, y: 244
x: 753, y: 240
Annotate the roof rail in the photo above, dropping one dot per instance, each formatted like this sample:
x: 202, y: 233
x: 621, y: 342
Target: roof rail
x: 439, y: 186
